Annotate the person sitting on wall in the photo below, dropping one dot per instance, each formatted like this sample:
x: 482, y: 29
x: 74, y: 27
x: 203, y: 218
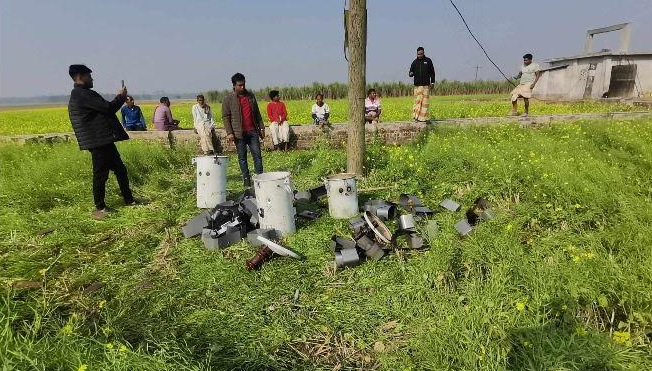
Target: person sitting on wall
x: 202, y: 116
x: 372, y: 108
x: 321, y: 112
x: 529, y: 76
x: 132, y: 116
x: 163, y: 116
x: 278, y: 115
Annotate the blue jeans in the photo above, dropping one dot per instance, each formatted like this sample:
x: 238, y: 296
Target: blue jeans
x: 252, y: 140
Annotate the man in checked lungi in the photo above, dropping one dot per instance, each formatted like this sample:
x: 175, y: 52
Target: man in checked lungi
x: 423, y: 72
x: 529, y: 76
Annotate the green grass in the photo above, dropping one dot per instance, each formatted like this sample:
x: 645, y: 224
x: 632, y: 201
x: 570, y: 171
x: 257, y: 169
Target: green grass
x: 560, y: 280
x: 55, y: 119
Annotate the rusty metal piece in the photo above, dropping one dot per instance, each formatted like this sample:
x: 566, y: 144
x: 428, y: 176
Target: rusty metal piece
x: 264, y: 254
x: 378, y: 227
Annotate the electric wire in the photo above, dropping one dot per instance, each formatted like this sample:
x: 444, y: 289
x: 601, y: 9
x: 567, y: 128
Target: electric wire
x: 480, y: 44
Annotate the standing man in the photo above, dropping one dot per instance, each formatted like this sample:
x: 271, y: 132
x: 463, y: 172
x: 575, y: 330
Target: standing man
x: 202, y: 117
x: 529, y: 76
x: 163, y: 116
x: 132, y: 116
x: 423, y: 72
x: 244, y: 125
x: 97, y: 129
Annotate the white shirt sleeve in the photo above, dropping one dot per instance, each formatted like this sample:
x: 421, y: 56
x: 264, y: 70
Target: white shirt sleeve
x: 197, y: 121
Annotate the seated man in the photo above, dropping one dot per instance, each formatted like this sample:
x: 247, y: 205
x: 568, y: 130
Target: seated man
x: 529, y: 76
x: 278, y: 115
x: 202, y: 116
x: 372, y: 107
x: 321, y: 112
x: 163, y: 116
x: 132, y: 116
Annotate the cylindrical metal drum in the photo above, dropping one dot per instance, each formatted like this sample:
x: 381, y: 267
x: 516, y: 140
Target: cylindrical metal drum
x: 211, y: 180
x: 275, y: 197
x: 342, y: 195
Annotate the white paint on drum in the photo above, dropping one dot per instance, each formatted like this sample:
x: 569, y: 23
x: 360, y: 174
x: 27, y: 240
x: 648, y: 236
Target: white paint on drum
x: 342, y: 195
x: 275, y: 198
x: 211, y: 180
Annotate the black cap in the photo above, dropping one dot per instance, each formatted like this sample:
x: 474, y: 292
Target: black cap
x: 76, y: 69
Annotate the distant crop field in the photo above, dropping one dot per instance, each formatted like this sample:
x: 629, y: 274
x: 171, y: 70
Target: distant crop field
x: 55, y: 119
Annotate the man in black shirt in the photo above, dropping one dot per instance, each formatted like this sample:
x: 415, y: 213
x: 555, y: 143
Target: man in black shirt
x: 97, y: 129
x: 423, y: 72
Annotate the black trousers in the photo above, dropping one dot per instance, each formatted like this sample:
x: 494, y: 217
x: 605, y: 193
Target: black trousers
x: 106, y: 158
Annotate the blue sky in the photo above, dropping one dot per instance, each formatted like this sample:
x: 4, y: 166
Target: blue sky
x: 192, y: 46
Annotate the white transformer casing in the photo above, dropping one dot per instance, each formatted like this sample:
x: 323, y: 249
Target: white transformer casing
x: 275, y: 199
x: 342, y: 195
x: 211, y: 180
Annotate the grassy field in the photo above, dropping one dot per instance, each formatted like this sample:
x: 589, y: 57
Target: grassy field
x: 55, y: 119
x: 560, y: 280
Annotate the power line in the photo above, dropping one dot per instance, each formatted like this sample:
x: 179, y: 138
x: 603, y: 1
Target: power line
x: 479, y: 44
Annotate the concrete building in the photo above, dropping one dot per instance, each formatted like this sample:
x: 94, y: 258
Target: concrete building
x: 604, y: 74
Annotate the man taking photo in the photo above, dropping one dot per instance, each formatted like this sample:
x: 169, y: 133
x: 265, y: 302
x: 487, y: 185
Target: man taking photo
x: 97, y: 129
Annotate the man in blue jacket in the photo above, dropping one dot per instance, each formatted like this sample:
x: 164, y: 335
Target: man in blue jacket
x: 132, y: 116
x: 97, y: 129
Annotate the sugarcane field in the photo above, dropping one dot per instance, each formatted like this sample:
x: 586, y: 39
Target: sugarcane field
x: 316, y: 186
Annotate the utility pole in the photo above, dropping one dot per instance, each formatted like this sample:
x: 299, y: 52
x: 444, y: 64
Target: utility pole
x: 356, y: 25
x: 476, y: 71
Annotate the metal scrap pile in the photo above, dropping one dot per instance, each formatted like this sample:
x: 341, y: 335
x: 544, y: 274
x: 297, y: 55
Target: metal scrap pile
x: 226, y: 224
x: 230, y: 222
x: 372, y: 239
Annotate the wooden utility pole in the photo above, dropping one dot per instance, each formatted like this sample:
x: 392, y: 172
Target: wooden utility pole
x: 356, y: 24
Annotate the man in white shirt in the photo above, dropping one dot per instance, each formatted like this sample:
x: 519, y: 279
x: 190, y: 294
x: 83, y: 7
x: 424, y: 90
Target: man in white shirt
x: 202, y: 116
x: 321, y: 112
x: 529, y: 76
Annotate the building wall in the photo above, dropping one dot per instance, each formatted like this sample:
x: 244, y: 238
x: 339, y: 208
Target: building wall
x: 590, y: 77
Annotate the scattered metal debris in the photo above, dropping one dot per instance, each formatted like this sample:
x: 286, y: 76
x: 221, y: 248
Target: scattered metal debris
x: 347, y: 258
x: 406, y: 222
x: 450, y: 205
x: 278, y: 249
x: 194, y: 226
x: 310, y: 215
x: 463, y: 227
x: 409, y: 201
x: 317, y: 193
x: 381, y: 208
x: 478, y: 212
